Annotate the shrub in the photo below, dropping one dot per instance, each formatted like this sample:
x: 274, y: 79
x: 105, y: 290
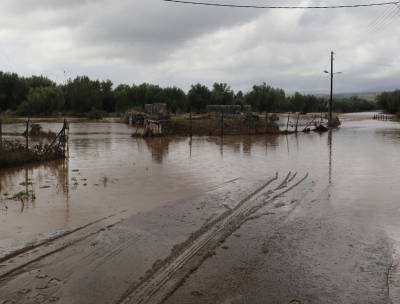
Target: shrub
x: 95, y: 114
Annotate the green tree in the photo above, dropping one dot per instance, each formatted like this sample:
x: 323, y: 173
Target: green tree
x: 122, y: 98
x: 13, y: 91
x: 389, y: 101
x: 354, y: 104
x: 147, y: 93
x: 42, y: 100
x: 239, y: 99
x: 222, y: 94
x: 265, y: 98
x: 83, y: 94
x: 39, y: 81
x: 175, y: 99
x: 199, y: 97
x: 305, y: 103
x: 108, y: 100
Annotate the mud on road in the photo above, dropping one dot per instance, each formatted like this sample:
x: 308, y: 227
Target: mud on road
x: 142, y: 258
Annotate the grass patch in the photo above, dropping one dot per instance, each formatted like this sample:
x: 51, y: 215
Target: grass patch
x: 180, y: 119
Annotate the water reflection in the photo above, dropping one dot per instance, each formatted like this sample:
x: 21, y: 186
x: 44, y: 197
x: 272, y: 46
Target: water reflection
x: 330, y: 137
x: 244, y: 144
x: 389, y: 134
x: 20, y: 186
x: 159, y: 146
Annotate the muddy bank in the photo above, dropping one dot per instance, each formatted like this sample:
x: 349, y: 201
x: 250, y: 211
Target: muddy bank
x: 234, y: 124
x: 216, y: 126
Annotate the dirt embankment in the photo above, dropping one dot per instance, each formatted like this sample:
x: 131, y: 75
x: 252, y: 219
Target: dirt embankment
x: 215, y: 126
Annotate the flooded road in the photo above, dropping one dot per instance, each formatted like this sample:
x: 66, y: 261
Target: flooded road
x: 108, y: 171
x: 334, y: 234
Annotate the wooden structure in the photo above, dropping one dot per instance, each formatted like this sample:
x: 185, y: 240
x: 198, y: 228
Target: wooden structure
x: 156, y: 109
x: 60, y: 142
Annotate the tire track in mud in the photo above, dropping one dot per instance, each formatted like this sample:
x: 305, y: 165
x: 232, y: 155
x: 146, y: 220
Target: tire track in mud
x: 173, y: 272
x: 14, y: 254
x: 23, y: 250
x: 19, y: 259
x: 14, y: 262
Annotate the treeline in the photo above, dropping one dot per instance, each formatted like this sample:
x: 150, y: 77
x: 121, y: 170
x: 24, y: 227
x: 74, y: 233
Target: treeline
x: 354, y: 104
x: 389, y: 101
x: 38, y: 95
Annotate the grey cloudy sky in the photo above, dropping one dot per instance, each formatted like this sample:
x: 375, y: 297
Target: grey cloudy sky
x: 135, y: 41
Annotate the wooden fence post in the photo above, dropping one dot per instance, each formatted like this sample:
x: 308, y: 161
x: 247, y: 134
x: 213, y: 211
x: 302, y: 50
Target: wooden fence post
x: 27, y: 135
x: 191, y: 123
x: 1, y: 133
x: 249, y: 117
x: 222, y: 122
x: 297, y: 122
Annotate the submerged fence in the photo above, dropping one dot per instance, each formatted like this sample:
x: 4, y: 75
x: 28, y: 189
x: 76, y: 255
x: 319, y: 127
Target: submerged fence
x: 220, y: 123
x: 14, y: 153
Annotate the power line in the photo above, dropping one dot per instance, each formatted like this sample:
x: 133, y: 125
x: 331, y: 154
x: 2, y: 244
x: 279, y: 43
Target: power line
x: 386, y: 12
x: 282, y: 7
x: 380, y: 21
x: 385, y: 20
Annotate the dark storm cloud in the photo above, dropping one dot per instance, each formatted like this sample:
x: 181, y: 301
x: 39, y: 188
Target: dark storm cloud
x: 150, y: 40
x: 151, y: 30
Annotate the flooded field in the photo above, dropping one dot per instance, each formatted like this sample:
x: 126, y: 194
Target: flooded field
x: 353, y: 172
x: 109, y: 172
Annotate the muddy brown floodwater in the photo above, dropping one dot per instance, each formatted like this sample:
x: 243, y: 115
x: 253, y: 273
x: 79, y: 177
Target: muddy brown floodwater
x: 307, y: 218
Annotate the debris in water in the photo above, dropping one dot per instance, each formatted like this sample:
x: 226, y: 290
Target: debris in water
x: 320, y: 128
x: 105, y: 181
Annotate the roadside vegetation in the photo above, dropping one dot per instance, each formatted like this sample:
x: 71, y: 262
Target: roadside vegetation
x: 390, y: 102
x: 14, y: 153
x: 40, y: 96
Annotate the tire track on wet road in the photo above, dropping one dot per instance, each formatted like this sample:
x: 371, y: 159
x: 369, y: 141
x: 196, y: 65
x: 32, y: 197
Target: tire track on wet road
x: 168, y: 277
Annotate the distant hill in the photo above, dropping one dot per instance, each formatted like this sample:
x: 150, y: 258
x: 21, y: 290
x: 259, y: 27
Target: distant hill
x: 370, y: 96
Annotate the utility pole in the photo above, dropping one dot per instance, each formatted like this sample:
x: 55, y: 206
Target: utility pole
x: 331, y: 95
x: 1, y: 133
x: 330, y: 107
